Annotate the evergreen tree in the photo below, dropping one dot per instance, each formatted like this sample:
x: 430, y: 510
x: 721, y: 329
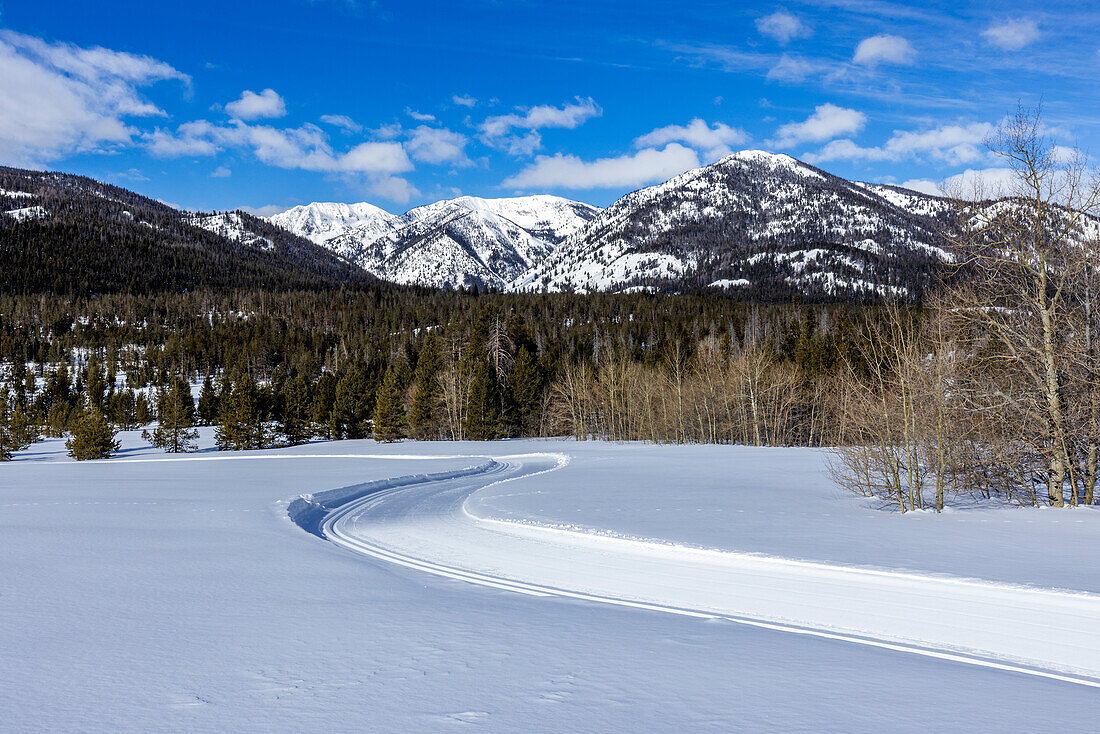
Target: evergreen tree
x: 175, y: 417
x: 95, y: 385
x: 241, y: 423
x: 92, y: 437
x: 121, y: 410
x: 320, y: 410
x: 525, y: 391
x: 389, y: 410
x: 16, y: 433
x: 483, y: 419
x: 294, y: 410
x: 352, y: 404
x: 143, y: 412
x: 208, y: 403
x: 424, y: 418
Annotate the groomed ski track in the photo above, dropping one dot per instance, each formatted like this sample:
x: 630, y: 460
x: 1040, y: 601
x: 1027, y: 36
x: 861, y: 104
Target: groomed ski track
x: 424, y: 523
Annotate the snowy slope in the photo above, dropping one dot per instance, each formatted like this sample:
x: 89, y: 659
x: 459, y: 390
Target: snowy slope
x: 231, y: 226
x: 321, y: 221
x: 708, y: 224
x: 174, y: 595
x: 454, y: 243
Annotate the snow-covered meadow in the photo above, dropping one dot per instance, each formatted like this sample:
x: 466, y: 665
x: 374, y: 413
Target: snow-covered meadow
x: 154, y: 592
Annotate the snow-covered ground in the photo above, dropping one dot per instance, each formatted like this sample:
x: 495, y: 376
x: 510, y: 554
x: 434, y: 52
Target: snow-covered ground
x: 146, y: 593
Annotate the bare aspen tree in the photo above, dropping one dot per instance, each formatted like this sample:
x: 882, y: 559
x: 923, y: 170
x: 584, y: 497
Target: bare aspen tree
x: 1024, y: 253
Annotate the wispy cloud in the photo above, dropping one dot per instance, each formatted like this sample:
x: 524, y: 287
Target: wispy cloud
x: 498, y: 131
x: 419, y: 116
x: 464, y: 100
x: 57, y: 99
x: 342, y: 121
x: 1012, y: 34
x: 951, y: 144
x: 437, y: 146
x: 638, y: 169
x: 783, y: 27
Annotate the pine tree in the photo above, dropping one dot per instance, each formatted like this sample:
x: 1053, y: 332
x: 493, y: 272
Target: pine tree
x: 295, y: 404
x: 424, y: 419
x: 92, y: 437
x: 208, y: 403
x: 483, y: 419
x: 241, y: 425
x: 16, y: 433
x: 320, y: 409
x: 175, y: 417
x: 525, y: 391
x: 389, y: 411
x: 352, y: 405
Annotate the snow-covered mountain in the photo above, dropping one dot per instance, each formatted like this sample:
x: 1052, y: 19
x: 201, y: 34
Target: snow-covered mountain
x: 454, y: 243
x: 759, y: 222
x: 320, y: 222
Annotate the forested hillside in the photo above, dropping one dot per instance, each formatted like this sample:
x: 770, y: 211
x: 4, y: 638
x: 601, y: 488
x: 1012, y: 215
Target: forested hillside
x: 71, y: 235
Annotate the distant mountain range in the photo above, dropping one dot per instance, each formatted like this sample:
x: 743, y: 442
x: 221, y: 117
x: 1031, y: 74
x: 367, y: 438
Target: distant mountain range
x: 762, y: 224
x: 756, y: 224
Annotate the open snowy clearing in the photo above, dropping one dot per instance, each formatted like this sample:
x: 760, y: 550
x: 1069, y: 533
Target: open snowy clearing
x: 178, y: 595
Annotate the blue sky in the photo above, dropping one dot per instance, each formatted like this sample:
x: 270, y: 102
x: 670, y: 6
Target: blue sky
x: 269, y: 104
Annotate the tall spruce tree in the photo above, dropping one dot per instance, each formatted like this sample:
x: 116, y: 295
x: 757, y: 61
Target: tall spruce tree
x: 525, y: 393
x: 16, y: 432
x: 389, y: 409
x: 294, y: 410
x: 354, y: 398
x: 242, y: 421
x: 92, y: 437
x: 175, y: 419
x: 427, y: 395
x: 208, y: 403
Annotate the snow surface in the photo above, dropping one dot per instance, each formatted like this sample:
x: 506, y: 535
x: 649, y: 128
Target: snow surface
x: 149, y: 592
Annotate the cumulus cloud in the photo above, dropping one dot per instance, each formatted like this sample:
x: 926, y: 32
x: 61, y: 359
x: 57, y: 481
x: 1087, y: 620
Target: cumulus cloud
x: 923, y: 185
x: 394, y: 188
x: 953, y: 144
x: 57, y: 99
x: 419, y: 116
x: 342, y: 121
x: 252, y: 106
x: 982, y: 183
x: 305, y: 148
x: 498, y: 131
x: 221, y: 172
x: 827, y: 121
x: 437, y: 145
x: 464, y: 100
x: 783, y: 27
x: 1012, y: 34
x: 714, y: 140
x: 638, y: 169
x: 884, y: 49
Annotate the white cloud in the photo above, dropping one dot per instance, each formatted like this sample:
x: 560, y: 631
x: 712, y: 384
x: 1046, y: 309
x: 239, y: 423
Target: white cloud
x: 497, y: 131
x: 437, y: 145
x: 464, y: 100
x: 221, y: 172
x: 827, y: 121
x: 790, y: 69
x: 419, y: 116
x: 342, y: 121
x: 394, y: 188
x: 923, y: 185
x: 57, y: 99
x: 884, y: 49
x: 268, y: 210
x: 714, y: 141
x: 982, y: 183
x: 252, y: 106
x: 783, y: 27
x: 952, y: 144
x: 1012, y: 34
x: 570, y: 172
x: 305, y: 148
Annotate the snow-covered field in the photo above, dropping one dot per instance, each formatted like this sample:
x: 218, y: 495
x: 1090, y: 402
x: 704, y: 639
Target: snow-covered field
x: 150, y: 592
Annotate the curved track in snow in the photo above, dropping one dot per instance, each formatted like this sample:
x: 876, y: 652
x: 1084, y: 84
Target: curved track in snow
x: 426, y: 526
